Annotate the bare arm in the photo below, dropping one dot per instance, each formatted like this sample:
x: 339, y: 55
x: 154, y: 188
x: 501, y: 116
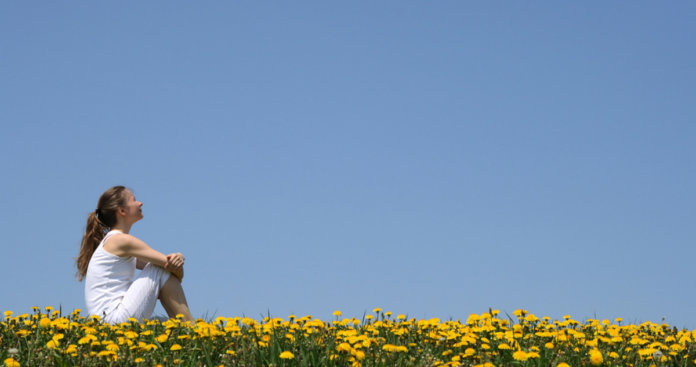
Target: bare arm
x: 125, y: 245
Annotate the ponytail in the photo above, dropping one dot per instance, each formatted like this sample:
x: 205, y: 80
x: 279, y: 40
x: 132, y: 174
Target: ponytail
x: 94, y: 234
x: 98, y: 223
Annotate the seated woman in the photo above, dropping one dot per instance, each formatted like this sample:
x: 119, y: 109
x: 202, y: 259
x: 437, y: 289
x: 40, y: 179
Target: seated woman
x: 108, y: 259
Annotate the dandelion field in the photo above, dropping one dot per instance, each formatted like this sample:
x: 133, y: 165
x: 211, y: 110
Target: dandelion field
x: 48, y: 338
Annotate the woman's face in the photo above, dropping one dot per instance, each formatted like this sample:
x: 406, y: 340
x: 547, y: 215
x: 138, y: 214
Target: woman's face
x: 133, y: 209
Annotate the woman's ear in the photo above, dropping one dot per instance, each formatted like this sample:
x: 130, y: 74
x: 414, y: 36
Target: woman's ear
x: 121, y: 211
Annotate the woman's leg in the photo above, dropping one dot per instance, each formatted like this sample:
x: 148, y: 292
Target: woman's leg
x: 140, y: 298
x: 173, y: 299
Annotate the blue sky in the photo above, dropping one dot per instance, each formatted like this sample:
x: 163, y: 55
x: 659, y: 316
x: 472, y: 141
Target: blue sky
x: 430, y: 158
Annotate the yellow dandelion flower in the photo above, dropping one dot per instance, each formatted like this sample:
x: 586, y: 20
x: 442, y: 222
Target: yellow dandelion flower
x: 52, y: 344
x: 287, y: 355
x: 520, y: 355
x: 563, y: 364
x: 162, y: 338
x: 548, y: 345
x: 596, y: 358
x: 10, y: 362
x: 337, y: 313
x: 376, y: 310
x: 504, y: 346
x: 138, y: 360
x: 175, y: 347
x: 344, y: 347
x: 44, y: 322
x: 230, y: 352
x: 22, y: 333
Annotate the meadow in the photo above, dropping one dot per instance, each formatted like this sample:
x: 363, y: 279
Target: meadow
x: 46, y: 337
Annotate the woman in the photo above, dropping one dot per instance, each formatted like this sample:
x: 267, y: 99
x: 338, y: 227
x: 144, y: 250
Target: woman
x: 108, y: 259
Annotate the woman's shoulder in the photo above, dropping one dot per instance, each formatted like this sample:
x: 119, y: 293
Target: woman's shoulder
x: 118, y: 242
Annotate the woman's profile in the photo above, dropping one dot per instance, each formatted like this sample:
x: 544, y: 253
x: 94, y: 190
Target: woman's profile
x: 108, y: 259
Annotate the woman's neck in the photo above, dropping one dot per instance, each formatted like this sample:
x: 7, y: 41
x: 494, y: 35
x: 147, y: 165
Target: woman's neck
x: 123, y: 227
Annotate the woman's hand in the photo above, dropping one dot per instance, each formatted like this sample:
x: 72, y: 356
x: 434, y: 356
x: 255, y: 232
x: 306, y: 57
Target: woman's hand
x: 175, y: 265
x: 174, y: 261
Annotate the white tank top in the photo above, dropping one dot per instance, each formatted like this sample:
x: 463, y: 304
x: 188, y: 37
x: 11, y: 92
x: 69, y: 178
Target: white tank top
x: 107, y: 280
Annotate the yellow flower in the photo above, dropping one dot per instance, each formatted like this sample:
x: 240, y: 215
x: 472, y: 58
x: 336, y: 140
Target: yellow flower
x: 230, y: 352
x: 520, y: 355
x: 344, y: 347
x: 138, y: 360
x: 287, y: 355
x: 22, y: 333
x: 175, y: 347
x: 86, y: 339
x: 52, y: 344
x: 504, y: 346
x: 548, y: 345
x: 10, y: 362
x: 394, y: 348
x: 44, y: 322
x: 377, y: 310
x: 8, y: 313
x: 596, y: 358
x: 337, y: 313
x: 563, y: 364
x: 162, y: 338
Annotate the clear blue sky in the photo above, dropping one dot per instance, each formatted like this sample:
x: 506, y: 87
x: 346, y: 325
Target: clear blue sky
x: 432, y: 158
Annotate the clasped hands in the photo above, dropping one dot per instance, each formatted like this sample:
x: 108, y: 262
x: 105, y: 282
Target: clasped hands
x: 175, y: 265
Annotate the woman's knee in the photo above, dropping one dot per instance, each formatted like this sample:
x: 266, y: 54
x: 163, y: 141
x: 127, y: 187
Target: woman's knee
x: 157, y: 273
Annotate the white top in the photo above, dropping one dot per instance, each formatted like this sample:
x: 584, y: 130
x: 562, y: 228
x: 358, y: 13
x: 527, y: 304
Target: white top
x: 107, y: 280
